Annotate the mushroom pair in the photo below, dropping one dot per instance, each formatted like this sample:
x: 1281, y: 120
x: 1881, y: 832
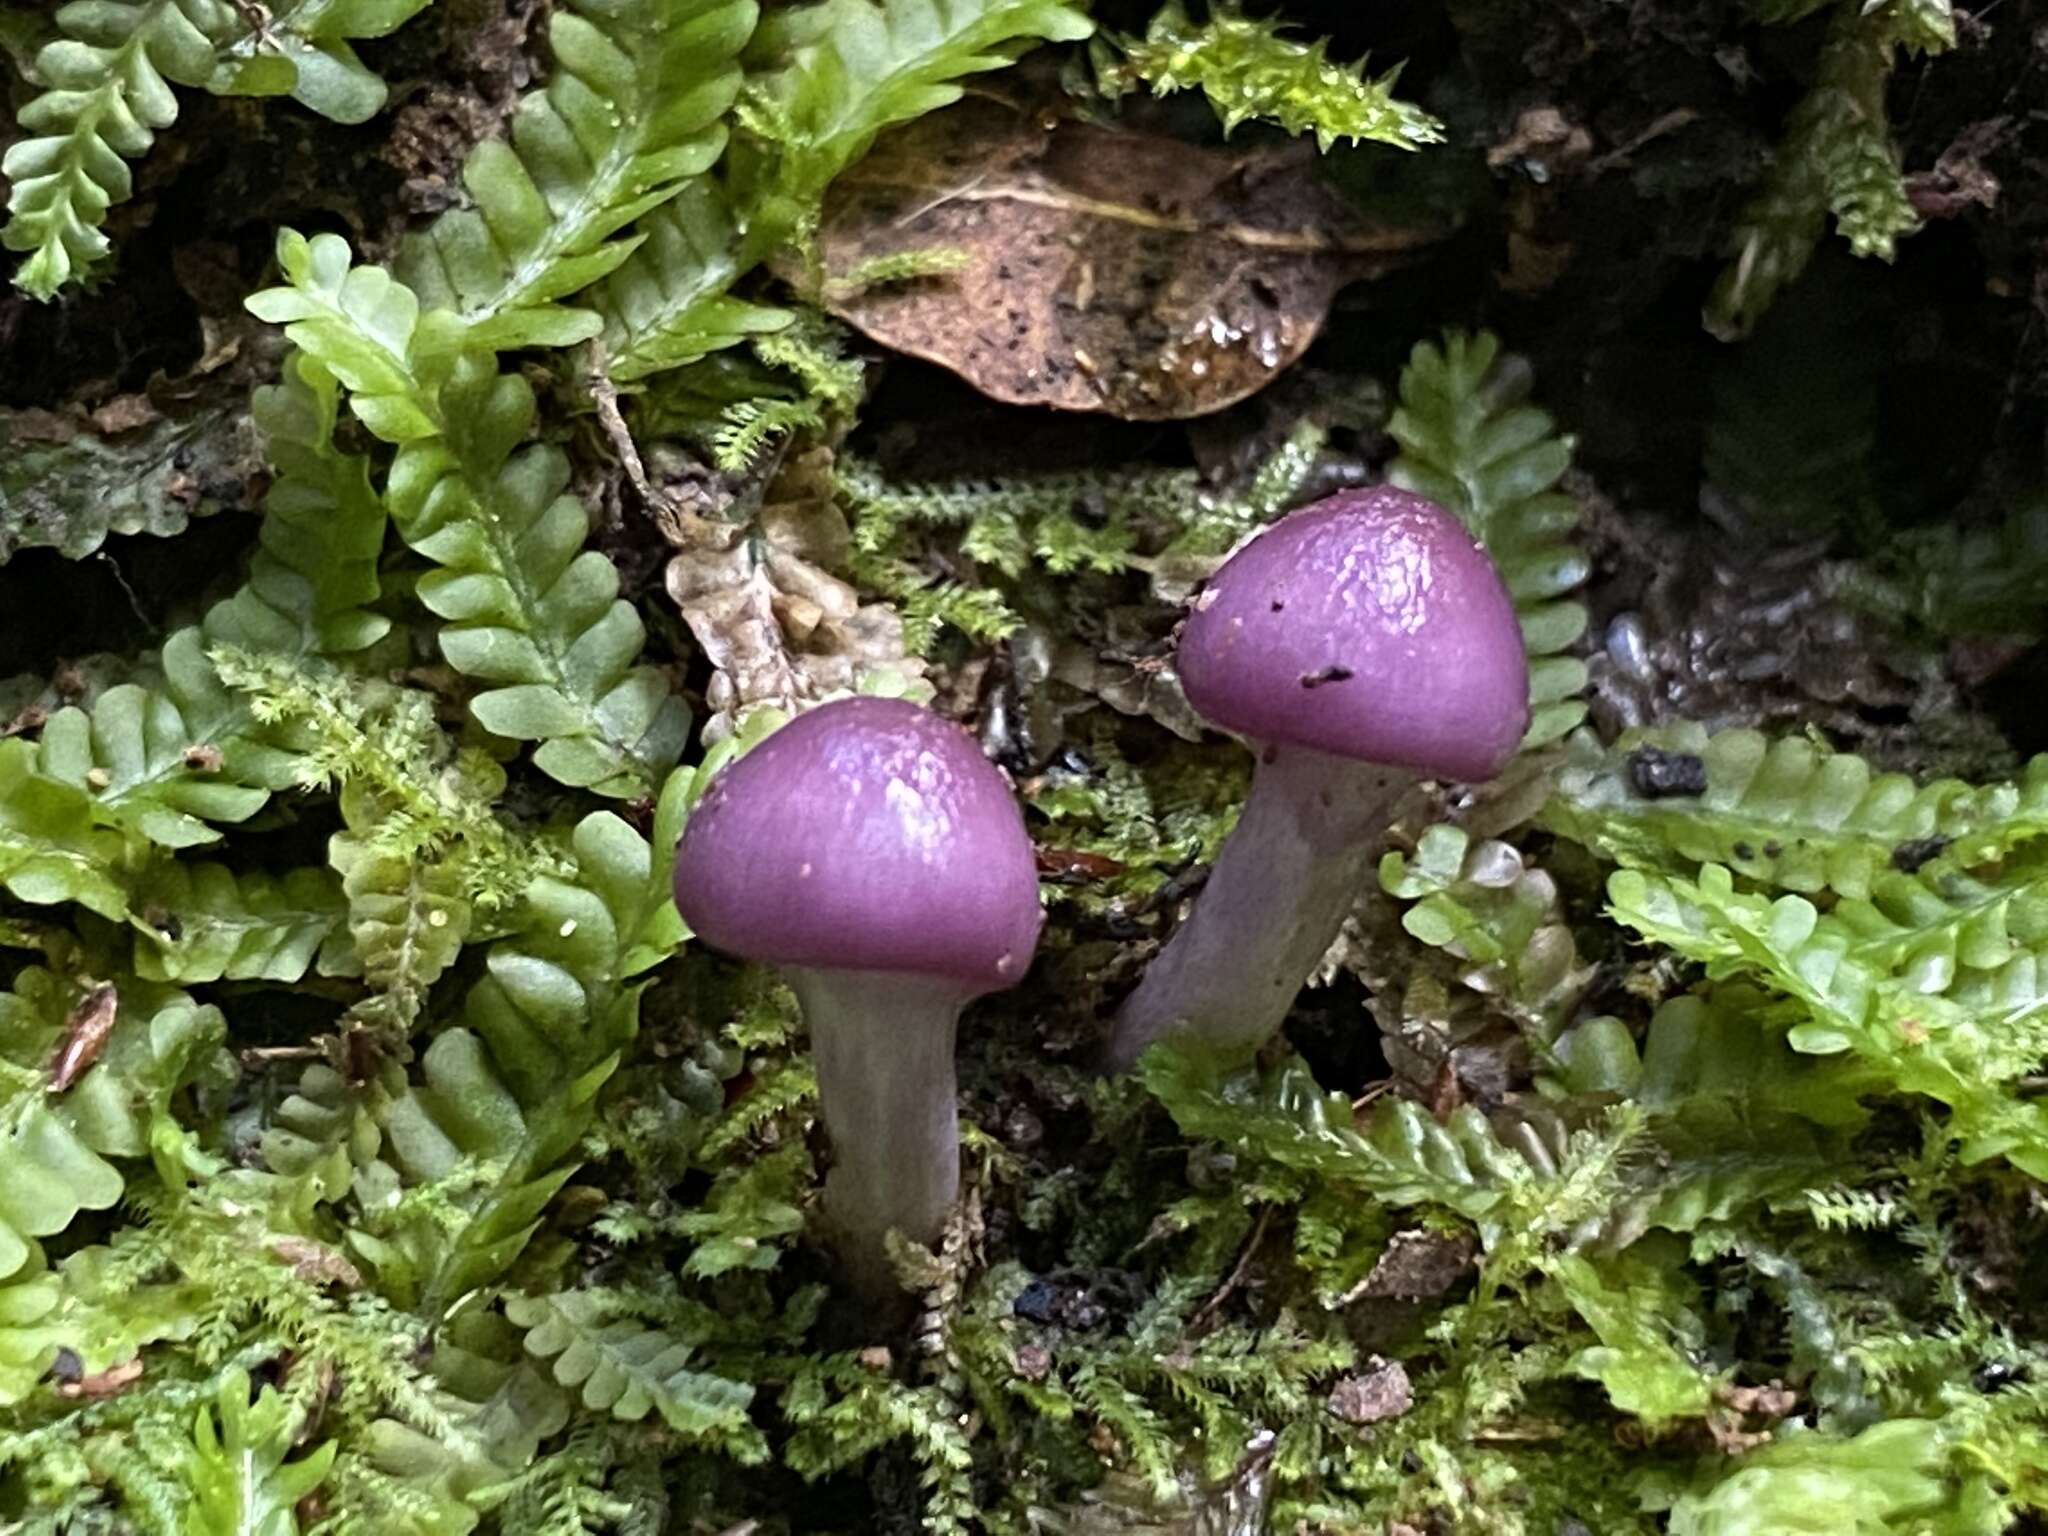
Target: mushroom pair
x: 872, y: 852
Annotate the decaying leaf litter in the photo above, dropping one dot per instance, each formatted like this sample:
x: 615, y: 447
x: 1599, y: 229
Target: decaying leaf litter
x: 1657, y: 1148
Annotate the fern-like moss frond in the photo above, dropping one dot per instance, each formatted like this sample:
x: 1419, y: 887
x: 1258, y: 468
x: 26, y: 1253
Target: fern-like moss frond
x: 632, y: 113
x: 1248, y: 70
x: 1836, y: 158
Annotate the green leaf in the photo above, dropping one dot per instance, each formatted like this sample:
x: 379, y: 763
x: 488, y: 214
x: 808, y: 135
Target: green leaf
x: 1648, y: 1332
x: 1736, y: 1116
x: 1891, y: 1479
x: 107, y: 90
x: 629, y: 1370
x: 206, y: 922
x: 86, y: 1307
x: 323, y: 525
x: 303, y: 51
x: 58, y: 1147
x: 527, y: 609
x: 1785, y: 812
x: 631, y: 116
x: 52, y: 848
x: 239, y: 1469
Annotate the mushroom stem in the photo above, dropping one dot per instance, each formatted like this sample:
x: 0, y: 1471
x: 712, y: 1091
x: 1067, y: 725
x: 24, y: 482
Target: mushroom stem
x: 882, y: 1043
x: 1275, y: 898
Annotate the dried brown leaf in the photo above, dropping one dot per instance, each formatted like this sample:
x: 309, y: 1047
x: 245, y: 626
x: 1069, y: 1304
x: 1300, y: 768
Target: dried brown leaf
x: 1380, y: 1392
x: 86, y: 1029
x: 778, y: 627
x: 111, y: 1382
x: 1105, y: 269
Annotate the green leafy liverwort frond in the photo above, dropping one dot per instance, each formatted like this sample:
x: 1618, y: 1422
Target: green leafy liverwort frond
x: 107, y: 92
x: 623, y: 1367
x: 1787, y: 812
x: 509, y: 1093
x: 66, y: 1131
x: 166, y: 763
x: 631, y: 116
x: 1248, y: 70
x: 527, y: 610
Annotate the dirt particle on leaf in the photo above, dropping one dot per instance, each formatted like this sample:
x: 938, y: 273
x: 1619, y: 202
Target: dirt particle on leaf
x: 1910, y: 855
x: 1659, y: 775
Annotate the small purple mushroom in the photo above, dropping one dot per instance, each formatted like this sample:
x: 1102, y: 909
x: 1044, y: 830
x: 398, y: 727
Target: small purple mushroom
x: 1358, y: 644
x: 871, y: 852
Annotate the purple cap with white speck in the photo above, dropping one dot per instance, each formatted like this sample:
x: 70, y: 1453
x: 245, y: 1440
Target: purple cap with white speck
x: 1370, y: 625
x: 865, y: 835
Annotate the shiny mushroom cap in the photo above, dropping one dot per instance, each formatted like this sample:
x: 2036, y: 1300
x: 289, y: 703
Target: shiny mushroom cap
x: 1371, y: 626
x: 866, y: 835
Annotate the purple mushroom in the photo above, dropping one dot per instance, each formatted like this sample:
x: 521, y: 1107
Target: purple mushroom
x: 1358, y: 644
x: 871, y: 852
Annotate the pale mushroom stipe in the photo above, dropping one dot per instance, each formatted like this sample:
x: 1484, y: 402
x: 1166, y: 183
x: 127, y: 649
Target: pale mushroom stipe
x: 1357, y: 645
x: 871, y: 852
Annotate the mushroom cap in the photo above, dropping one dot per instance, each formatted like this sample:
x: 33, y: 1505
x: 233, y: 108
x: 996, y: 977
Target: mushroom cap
x: 866, y: 835
x: 1371, y: 626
